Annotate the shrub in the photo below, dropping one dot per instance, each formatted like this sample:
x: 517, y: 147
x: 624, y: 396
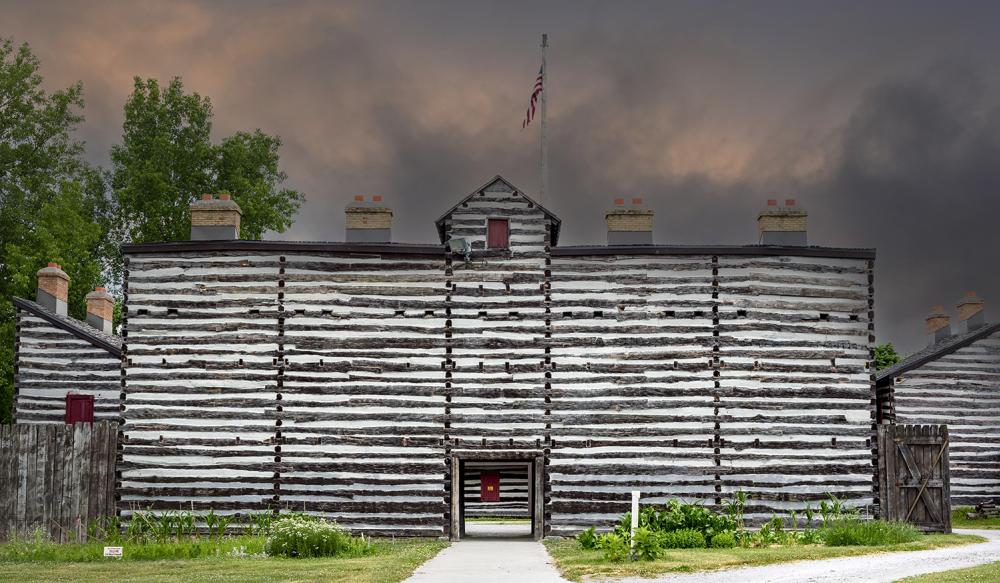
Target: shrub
x: 587, y: 539
x: 614, y: 545
x: 303, y: 536
x: 685, y: 538
x: 723, y: 540
x: 856, y: 532
x: 648, y: 544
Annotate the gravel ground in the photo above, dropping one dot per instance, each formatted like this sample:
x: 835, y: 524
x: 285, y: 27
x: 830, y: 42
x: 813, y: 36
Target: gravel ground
x: 865, y: 569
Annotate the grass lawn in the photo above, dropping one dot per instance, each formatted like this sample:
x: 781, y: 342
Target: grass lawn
x: 498, y: 520
x: 393, y: 562
x: 989, y: 573
x: 958, y: 519
x: 574, y: 562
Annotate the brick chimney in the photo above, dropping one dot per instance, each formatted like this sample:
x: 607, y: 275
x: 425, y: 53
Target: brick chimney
x: 53, y: 289
x: 629, y: 225
x: 938, y: 325
x: 101, y: 310
x: 970, y: 310
x: 368, y: 221
x: 782, y: 225
x: 215, y: 219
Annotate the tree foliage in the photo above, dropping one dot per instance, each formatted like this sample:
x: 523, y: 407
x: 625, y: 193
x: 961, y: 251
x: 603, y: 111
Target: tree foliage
x: 167, y: 160
x: 52, y: 205
x: 885, y: 356
x: 55, y: 207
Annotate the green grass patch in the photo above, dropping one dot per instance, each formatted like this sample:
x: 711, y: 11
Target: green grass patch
x: 575, y: 562
x: 848, y: 532
x: 958, y: 519
x: 989, y: 573
x: 229, y: 559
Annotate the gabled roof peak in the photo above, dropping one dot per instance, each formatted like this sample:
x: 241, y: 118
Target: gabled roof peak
x: 556, y: 221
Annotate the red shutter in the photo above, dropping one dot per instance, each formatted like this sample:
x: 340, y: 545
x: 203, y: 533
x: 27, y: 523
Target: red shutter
x: 496, y: 234
x: 79, y: 409
x: 489, y: 487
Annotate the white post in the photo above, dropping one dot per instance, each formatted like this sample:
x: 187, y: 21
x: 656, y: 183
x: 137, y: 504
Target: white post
x: 635, y: 518
x: 542, y: 200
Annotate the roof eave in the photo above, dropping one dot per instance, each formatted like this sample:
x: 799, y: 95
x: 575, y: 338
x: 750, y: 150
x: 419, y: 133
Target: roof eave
x: 75, y: 330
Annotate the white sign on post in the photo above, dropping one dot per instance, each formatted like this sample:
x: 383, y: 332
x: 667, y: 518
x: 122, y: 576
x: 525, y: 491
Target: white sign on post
x: 635, y: 517
x: 113, y: 552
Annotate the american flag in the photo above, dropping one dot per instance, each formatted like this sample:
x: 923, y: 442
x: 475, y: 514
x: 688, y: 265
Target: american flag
x: 534, y: 99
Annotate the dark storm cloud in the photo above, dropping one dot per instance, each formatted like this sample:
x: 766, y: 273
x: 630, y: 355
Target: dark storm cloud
x: 880, y: 118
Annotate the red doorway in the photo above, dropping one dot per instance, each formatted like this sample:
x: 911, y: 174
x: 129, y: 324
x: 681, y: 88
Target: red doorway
x: 489, y: 487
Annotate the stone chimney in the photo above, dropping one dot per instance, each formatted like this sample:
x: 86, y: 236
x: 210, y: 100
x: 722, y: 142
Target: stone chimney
x: 368, y: 221
x: 782, y: 225
x: 938, y: 325
x: 101, y: 310
x: 629, y: 225
x: 215, y: 219
x: 970, y: 310
x: 53, y: 289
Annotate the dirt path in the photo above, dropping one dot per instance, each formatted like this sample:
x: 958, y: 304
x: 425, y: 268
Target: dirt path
x: 882, y: 567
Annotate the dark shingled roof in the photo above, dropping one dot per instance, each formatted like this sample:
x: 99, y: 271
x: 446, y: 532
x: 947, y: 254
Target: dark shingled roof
x: 942, y: 348
x: 113, y: 344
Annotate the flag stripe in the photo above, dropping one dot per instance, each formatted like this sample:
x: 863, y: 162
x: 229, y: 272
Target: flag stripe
x: 536, y: 90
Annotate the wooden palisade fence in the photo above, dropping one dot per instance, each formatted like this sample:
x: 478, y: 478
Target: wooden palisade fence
x: 56, y: 477
x: 913, y: 474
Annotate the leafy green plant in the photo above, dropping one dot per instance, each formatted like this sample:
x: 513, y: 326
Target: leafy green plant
x: 587, y: 539
x: 300, y: 536
x: 614, y: 546
x: 723, y: 540
x: 857, y: 532
x: 734, y: 508
x: 685, y: 538
x: 648, y: 545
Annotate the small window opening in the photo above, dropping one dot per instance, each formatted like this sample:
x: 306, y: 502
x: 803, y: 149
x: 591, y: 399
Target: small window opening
x: 741, y: 313
x: 428, y: 312
x: 598, y: 314
x: 171, y: 311
x: 854, y: 317
x: 254, y: 311
x: 824, y: 317
x: 400, y: 312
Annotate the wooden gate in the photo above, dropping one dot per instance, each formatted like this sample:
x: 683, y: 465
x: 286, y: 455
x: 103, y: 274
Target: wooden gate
x: 913, y: 475
x: 56, y: 477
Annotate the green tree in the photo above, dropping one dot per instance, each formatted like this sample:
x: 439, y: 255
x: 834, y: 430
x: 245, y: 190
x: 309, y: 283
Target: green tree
x: 52, y: 205
x: 166, y: 160
x: 885, y: 356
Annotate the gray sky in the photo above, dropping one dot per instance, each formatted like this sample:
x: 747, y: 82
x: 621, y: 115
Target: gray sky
x: 882, y: 119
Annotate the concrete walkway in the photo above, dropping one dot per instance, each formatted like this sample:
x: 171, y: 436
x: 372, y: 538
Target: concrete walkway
x: 489, y: 560
x: 878, y: 568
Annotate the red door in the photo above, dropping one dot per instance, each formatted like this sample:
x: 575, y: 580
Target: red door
x: 489, y: 487
x: 79, y: 409
x: 496, y: 234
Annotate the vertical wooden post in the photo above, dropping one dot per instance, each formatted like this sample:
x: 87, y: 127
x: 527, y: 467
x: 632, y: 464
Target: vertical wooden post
x: 538, y: 502
x: 456, y: 498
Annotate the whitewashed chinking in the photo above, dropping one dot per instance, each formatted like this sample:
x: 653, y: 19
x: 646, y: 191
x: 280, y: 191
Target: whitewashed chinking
x: 52, y: 362
x: 338, y: 382
x: 960, y: 389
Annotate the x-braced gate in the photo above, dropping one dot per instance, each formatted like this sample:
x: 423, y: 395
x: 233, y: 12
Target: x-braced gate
x: 913, y: 475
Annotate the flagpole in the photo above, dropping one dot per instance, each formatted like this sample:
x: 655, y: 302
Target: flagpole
x: 544, y: 141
